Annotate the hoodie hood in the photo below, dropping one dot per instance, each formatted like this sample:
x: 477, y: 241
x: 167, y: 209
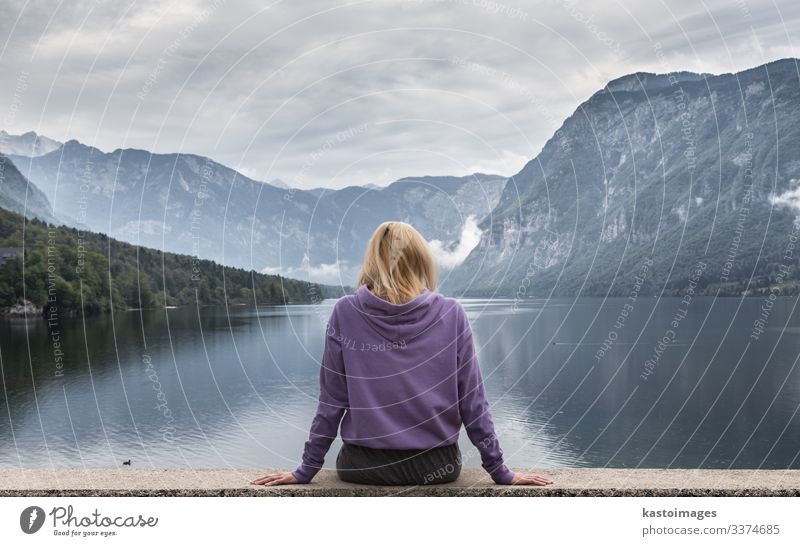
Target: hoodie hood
x: 399, y: 322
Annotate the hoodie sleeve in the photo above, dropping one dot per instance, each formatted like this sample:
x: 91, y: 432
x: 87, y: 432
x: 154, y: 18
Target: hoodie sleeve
x: 474, y: 408
x: 333, y: 402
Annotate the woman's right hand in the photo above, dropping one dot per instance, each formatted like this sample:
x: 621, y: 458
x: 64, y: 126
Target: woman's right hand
x: 529, y: 479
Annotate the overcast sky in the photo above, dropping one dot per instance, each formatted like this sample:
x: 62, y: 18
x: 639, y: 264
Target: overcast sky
x: 336, y: 93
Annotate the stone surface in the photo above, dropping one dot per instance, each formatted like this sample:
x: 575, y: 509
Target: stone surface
x: 471, y: 482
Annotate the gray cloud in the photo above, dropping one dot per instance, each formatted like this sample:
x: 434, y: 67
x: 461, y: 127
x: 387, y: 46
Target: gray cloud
x: 278, y: 90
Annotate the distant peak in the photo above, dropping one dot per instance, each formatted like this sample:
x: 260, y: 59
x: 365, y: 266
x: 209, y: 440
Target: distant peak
x: 648, y: 81
x: 27, y: 144
x: 278, y: 183
x: 450, y: 177
x: 486, y: 175
x: 77, y: 144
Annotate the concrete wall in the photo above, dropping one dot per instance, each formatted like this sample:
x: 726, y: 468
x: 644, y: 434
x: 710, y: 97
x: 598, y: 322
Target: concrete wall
x: 472, y: 482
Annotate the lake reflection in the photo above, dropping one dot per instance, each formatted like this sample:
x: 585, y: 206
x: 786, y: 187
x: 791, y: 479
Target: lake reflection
x: 237, y: 387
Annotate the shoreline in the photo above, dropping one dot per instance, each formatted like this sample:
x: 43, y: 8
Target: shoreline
x: 5, y: 311
x: 69, y: 313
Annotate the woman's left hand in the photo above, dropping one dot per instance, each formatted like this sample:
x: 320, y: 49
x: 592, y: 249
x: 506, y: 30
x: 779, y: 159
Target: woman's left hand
x: 278, y: 478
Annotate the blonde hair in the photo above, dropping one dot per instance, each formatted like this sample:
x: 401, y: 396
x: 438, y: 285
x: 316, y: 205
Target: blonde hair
x: 398, y: 266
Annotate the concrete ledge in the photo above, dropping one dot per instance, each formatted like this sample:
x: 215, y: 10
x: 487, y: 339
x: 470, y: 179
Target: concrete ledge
x: 568, y: 482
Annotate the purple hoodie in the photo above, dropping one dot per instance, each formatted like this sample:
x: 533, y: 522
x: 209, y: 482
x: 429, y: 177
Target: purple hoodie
x: 400, y: 377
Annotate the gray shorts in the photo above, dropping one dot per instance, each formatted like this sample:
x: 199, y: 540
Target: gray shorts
x: 366, y: 465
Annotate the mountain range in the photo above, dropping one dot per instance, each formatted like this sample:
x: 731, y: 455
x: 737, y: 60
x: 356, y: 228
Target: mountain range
x: 193, y: 205
x: 657, y: 184
x: 649, y: 177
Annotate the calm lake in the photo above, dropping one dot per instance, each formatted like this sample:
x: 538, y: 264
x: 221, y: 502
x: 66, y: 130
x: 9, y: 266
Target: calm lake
x: 583, y: 382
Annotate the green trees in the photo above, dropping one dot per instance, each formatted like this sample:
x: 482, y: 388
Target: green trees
x: 79, y: 271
